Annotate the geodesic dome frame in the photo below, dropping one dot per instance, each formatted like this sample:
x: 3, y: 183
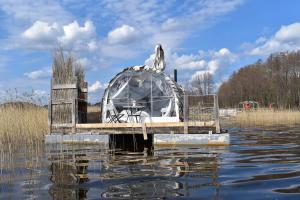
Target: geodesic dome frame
x: 159, y: 96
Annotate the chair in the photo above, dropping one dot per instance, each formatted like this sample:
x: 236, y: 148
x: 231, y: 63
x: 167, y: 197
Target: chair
x: 114, y: 115
x: 166, y: 110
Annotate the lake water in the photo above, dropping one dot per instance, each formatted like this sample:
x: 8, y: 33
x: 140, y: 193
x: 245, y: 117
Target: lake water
x: 258, y: 164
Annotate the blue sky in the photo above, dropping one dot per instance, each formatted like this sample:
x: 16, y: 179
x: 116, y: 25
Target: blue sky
x: 218, y: 36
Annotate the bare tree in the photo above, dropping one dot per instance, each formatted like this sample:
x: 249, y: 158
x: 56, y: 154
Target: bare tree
x: 275, y: 81
x: 202, y: 84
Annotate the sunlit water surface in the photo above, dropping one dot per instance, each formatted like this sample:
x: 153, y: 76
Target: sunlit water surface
x: 259, y: 164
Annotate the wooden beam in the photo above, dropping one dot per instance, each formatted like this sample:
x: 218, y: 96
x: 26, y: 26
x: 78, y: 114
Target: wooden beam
x: 148, y: 125
x: 58, y: 102
x: 64, y: 86
x: 62, y: 125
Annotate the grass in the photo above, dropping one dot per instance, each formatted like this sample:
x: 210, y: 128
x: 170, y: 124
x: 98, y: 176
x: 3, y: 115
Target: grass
x: 264, y: 117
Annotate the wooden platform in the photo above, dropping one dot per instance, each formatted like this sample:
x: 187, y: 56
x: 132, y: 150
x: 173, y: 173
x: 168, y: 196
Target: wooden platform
x: 163, y: 133
x: 158, y: 139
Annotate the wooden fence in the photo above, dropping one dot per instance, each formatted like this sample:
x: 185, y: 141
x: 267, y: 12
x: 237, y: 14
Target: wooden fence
x: 201, y: 108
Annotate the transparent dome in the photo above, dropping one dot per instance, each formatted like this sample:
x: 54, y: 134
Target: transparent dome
x: 150, y: 94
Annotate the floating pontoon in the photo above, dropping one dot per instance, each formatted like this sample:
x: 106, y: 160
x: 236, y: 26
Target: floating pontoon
x: 141, y: 100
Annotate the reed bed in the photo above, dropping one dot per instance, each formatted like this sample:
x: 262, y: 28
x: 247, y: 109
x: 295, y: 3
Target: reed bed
x: 22, y: 130
x: 265, y: 117
x: 23, y: 122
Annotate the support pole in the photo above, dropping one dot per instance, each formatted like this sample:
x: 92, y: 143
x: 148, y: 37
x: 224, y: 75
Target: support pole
x: 144, y: 128
x: 217, y: 120
x: 74, y: 113
x: 186, y: 114
x: 50, y: 108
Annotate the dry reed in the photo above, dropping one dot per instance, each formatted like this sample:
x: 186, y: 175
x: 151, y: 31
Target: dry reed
x: 263, y: 117
x: 22, y: 122
x: 63, y: 68
x: 22, y: 130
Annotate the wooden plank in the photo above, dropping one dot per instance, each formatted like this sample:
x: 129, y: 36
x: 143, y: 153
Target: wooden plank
x: 148, y: 125
x: 62, y: 125
x: 62, y: 101
x: 68, y: 101
x: 64, y: 86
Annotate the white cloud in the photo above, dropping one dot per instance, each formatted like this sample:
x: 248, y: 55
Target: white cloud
x: 219, y: 61
x: 95, y: 87
x: 41, y: 25
x: 42, y: 32
x: 92, y: 45
x: 122, y: 35
x: 287, y: 38
x: 30, y: 11
x: 43, y: 35
x: 74, y: 33
x: 156, y: 24
x: 210, y: 61
x: 38, y: 74
x: 189, y: 62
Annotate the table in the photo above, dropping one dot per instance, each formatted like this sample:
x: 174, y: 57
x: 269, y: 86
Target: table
x: 134, y: 111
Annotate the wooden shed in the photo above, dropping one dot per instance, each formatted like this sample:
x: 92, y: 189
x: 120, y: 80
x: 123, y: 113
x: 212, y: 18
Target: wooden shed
x: 246, y: 105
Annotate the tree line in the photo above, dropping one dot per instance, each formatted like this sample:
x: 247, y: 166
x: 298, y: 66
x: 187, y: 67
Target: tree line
x: 275, y: 81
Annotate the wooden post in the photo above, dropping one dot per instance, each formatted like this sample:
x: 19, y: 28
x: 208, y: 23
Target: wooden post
x: 74, y: 116
x: 144, y: 128
x: 216, y: 109
x: 186, y: 113
x: 50, y: 108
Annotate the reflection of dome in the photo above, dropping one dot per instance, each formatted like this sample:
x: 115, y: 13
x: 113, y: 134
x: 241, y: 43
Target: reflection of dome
x: 159, y: 97
x: 144, y: 189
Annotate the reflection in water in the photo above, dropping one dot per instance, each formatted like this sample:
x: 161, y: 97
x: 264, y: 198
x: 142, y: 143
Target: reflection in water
x: 144, y: 189
x: 259, y: 164
x: 122, y: 174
